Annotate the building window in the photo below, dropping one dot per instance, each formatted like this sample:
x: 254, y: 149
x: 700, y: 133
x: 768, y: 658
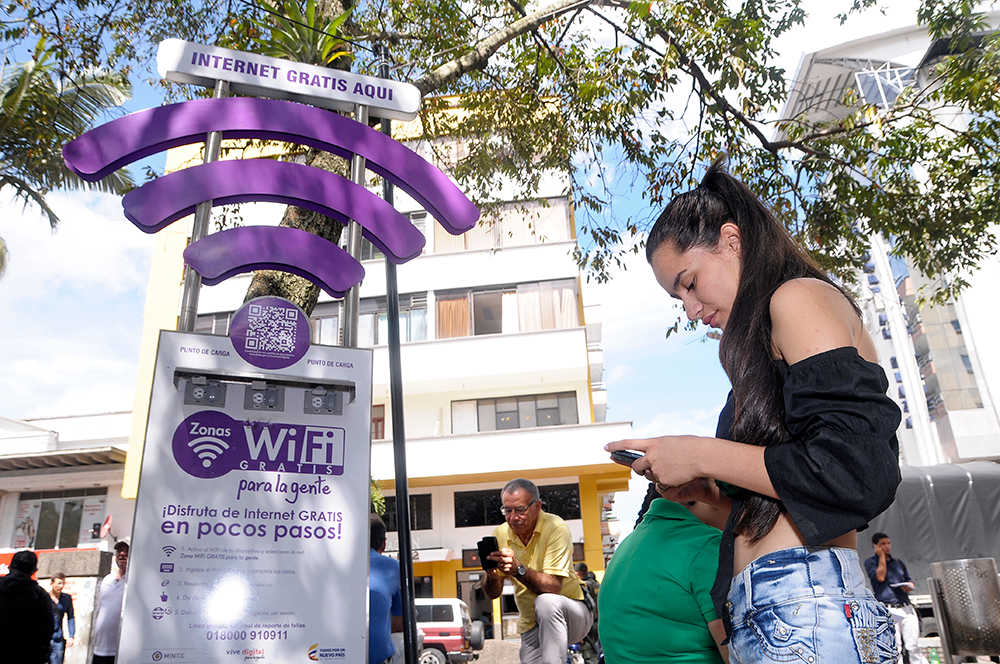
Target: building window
x: 325, y: 324
x: 370, y: 252
x: 373, y: 320
x: 482, y: 508
x: 516, y: 224
x: 213, y: 323
x: 378, y: 422
x: 420, y: 513
x: 423, y: 586
x: 561, y: 499
x: 59, y: 519
x: 546, y: 305
x: 520, y: 412
x: 478, y: 508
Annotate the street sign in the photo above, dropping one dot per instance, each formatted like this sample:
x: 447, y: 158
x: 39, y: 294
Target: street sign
x: 249, y: 73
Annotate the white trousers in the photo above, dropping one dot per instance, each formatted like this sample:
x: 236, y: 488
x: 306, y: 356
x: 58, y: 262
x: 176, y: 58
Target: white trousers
x: 907, y: 632
x: 560, y: 622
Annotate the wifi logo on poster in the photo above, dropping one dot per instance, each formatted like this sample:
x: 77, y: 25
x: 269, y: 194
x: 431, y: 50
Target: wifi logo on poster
x: 210, y: 444
x: 159, y: 203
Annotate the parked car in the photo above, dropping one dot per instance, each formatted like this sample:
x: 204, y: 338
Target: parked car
x: 449, y: 633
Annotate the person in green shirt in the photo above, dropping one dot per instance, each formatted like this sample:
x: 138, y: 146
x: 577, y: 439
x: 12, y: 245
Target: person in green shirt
x: 654, y: 602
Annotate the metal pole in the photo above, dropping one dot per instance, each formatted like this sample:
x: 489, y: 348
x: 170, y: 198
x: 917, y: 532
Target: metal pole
x: 202, y: 215
x: 351, y: 299
x: 398, y: 431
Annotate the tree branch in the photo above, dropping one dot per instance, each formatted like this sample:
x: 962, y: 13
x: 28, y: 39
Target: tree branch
x: 479, y: 56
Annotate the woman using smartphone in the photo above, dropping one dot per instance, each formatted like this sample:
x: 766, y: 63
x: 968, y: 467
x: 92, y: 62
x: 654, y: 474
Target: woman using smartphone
x: 805, y: 452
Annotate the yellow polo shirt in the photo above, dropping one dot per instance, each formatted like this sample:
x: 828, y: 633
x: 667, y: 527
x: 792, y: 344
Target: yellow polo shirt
x: 549, y: 550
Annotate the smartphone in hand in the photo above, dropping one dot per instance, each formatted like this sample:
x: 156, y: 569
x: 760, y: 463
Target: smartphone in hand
x: 486, y: 546
x: 625, y: 457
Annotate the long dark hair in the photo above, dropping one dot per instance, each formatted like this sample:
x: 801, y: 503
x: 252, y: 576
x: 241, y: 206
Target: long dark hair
x: 769, y: 258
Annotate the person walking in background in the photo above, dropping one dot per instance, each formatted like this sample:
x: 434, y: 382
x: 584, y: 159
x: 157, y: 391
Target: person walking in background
x: 892, y: 586
x: 806, y: 451
x: 107, y: 622
x: 656, y: 596
x: 25, y: 614
x: 385, y: 613
x: 62, y: 607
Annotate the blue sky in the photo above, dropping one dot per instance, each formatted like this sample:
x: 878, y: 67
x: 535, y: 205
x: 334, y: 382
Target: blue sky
x: 71, y: 303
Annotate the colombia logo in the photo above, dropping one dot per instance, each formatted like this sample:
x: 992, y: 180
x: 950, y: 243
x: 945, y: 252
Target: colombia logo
x: 314, y: 652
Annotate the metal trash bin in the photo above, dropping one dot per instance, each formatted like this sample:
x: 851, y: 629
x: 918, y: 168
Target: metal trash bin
x: 969, y: 592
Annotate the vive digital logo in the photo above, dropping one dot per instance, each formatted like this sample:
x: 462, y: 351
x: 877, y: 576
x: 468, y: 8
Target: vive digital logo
x: 209, y: 444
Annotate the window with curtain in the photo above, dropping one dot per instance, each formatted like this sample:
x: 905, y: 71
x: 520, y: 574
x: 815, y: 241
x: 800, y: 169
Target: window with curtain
x: 453, y: 316
x: 547, y: 305
x: 378, y: 422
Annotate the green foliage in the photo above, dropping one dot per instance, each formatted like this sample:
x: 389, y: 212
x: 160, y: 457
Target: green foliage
x: 296, y: 33
x: 41, y: 108
x: 647, y: 92
x: 377, y: 497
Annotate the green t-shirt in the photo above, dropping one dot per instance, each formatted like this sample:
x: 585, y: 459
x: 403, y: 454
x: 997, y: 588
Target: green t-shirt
x: 654, y: 600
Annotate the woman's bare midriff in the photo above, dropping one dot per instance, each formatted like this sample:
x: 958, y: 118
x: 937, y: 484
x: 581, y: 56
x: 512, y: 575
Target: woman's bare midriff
x: 784, y: 535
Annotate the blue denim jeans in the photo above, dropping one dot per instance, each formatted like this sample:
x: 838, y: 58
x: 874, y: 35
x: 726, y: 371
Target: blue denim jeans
x: 58, y: 651
x: 808, y: 605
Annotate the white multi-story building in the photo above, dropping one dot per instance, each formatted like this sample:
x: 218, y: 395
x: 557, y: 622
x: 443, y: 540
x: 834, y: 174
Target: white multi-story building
x: 938, y: 373
x: 501, y: 365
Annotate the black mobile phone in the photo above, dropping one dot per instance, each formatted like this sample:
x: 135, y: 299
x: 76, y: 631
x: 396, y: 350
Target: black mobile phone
x: 486, y: 546
x: 625, y: 457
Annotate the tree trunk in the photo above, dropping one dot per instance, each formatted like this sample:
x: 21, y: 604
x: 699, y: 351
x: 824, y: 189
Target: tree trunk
x: 299, y: 290
x: 302, y: 292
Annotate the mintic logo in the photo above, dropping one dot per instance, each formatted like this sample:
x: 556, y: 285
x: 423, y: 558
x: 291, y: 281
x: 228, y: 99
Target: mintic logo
x: 209, y: 444
x: 314, y: 652
x: 157, y: 656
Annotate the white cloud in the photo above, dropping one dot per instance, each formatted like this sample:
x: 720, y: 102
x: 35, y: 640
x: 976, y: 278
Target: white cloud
x: 698, y: 422
x: 71, y: 306
x: 618, y: 373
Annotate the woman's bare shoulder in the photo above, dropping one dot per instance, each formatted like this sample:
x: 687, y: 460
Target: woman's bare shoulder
x: 809, y: 316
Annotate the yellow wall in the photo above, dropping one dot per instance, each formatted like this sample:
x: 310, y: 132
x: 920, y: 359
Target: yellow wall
x: 166, y: 273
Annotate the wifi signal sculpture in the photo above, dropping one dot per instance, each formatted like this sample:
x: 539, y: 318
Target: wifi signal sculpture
x: 217, y: 257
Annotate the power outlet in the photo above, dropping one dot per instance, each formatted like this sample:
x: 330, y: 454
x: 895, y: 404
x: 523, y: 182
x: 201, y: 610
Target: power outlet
x: 323, y: 402
x: 261, y: 396
x: 199, y: 391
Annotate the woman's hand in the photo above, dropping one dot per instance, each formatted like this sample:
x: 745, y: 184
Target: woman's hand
x: 672, y: 462
x: 668, y: 461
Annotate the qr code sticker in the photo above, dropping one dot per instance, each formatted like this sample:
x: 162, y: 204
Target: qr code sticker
x: 271, y: 329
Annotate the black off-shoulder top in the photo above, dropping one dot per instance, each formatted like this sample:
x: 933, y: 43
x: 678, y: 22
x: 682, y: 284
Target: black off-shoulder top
x: 841, y: 467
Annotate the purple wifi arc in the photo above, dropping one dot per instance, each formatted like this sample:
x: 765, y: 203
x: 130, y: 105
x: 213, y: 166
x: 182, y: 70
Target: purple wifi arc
x: 225, y: 254
x: 163, y: 201
x: 111, y: 146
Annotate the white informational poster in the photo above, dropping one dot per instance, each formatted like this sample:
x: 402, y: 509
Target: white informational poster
x: 251, y: 536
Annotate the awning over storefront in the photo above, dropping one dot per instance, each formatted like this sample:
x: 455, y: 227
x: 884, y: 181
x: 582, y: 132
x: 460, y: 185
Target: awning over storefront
x: 92, y: 456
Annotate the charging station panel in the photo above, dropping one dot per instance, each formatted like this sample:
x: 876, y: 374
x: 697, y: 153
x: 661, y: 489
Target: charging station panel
x: 251, y: 535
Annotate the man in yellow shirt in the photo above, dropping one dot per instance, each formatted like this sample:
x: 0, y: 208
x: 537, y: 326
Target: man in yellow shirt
x: 536, y: 552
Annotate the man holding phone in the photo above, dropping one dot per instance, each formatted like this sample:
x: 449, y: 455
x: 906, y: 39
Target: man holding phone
x: 536, y: 552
